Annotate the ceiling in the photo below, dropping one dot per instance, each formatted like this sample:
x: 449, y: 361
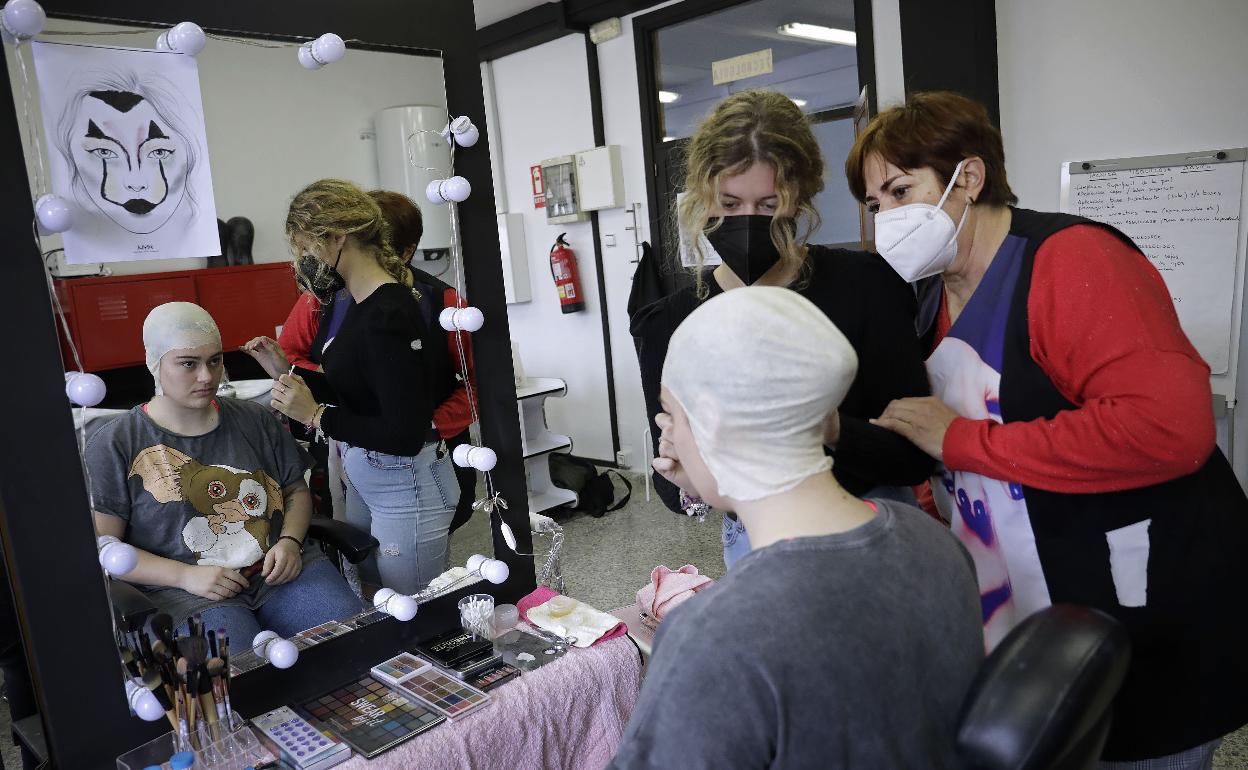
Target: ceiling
x: 490, y: 11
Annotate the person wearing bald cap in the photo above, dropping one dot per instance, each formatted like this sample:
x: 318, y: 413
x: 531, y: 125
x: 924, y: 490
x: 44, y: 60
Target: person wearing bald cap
x: 849, y: 634
x: 211, y: 493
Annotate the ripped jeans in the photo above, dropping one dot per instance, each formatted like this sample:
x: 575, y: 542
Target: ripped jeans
x: 407, y: 503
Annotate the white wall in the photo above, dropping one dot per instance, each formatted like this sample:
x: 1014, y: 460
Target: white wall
x: 543, y: 111
x: 1116, y: 78
x: 273, y: 126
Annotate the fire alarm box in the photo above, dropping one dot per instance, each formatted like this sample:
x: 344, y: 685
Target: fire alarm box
x: 562, y: 197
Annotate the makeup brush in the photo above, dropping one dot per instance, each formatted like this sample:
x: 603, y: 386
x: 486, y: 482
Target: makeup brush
x: 225, y: 675
x: 215, y: 667
x: 188, y: 687
x: 206, y: 704
x: 212, y: 643
x: 154, y: 681
x: 162, y: 627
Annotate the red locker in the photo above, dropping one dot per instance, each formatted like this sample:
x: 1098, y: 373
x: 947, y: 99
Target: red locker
x: 105, y: 314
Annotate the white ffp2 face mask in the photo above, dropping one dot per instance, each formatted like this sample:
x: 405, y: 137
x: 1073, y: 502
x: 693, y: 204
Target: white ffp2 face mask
x: 919, y: 240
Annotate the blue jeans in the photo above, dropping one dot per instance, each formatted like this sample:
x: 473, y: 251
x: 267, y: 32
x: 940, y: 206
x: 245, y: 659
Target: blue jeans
x: 407, y: 503
x: 737, y: 541
x: 317, y: 596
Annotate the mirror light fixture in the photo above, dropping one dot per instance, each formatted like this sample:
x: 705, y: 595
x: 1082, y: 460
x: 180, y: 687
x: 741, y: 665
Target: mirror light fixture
x: 818, y: 34
x: 667, y: 97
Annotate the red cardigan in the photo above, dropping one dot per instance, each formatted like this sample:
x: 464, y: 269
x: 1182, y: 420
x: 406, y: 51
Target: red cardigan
x: 452, y: 416
x: 1104, y: 329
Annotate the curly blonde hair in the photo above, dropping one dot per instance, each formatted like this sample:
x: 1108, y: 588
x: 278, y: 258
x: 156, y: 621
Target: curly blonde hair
x: 746, y: 128
x: 337, y: 207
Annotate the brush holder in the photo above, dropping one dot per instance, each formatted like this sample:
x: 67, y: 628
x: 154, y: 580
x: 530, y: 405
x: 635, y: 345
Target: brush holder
x: 234, y: 750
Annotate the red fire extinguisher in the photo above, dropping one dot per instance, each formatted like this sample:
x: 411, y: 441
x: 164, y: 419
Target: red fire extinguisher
x: 563, y: 270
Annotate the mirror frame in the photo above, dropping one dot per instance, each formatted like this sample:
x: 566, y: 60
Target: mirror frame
x: 66, y: 630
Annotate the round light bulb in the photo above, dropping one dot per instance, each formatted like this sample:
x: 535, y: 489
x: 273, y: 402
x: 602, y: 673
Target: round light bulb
x: 282, y: 653
x: 22, y: 19
x: 465, y: 133
x: 162, y: 41
x: 440, y: 191
x: 306, y: 58
x: 143, y: 702
x: 470, y: 319
x: 460, y: 455
x: 446, y: 319
x: 475, y: 561
x: 118, y: 558
x: 261, y: 640
x: 382, y: 596
x: 482, y: 458
x: 85, y: 389
x: 509, y: 537
x: 54, y: 214
x: 457, y: 189
x: 328, y: 48
x: 495, y: 571
x: 186, y: 37
x: 402, y: 607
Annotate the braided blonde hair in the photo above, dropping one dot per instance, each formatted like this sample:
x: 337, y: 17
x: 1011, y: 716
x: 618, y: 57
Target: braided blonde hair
x: 746, y: 128
x: 337, y: 207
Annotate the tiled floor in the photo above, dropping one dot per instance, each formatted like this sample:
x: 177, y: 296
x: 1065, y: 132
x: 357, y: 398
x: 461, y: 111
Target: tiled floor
x: 606, y: 560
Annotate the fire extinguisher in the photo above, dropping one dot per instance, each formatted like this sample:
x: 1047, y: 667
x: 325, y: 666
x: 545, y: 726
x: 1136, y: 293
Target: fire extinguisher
x: 563, y: 270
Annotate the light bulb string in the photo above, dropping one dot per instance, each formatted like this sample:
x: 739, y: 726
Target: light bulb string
x: 208, y: 35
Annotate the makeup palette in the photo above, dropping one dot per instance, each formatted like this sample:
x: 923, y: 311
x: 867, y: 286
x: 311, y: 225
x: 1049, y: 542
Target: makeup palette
x: 443, y: 692
x: 369, y: 716
x: 317, y: 634
x: 493, y: 677
x: 399, y: 668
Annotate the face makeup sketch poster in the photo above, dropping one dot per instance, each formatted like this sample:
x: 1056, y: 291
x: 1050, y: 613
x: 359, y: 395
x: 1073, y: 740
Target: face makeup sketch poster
x: 126, y: 143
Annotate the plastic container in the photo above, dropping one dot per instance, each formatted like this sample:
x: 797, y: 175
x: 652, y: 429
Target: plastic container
x: 506, y: 617
x: 476, y: 615
x: 236, y: 750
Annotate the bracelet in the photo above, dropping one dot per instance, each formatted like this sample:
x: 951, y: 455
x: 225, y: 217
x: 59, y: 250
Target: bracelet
x: 315, y: 422
x: 293, y: 539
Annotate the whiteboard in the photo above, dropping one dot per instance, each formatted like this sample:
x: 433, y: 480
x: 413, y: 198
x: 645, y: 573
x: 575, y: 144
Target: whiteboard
x: 1183, y: 211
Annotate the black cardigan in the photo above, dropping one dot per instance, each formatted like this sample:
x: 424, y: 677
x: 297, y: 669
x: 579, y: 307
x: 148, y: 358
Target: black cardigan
x: 874, y: 308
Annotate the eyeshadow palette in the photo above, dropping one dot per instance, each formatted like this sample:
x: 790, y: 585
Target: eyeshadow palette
x: 369, y: 716
x: 493, y: 677
x: 317, y: 634
x: 444, y: 693
x: 399, y: 668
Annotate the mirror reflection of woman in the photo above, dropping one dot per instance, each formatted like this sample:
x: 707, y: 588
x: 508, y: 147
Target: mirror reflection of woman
x: 211, y: 493
x: 1074, y: 421
x: 375, y: 395
x: 754, y: 169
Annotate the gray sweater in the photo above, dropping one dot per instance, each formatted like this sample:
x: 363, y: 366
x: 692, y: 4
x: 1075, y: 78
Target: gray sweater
x: 851, y: 650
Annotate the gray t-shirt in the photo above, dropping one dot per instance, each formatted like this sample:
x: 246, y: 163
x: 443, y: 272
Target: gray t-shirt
x: 851, y: 650
x: 214, y: 499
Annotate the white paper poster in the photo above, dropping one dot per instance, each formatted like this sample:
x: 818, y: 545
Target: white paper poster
x: 125, y: 134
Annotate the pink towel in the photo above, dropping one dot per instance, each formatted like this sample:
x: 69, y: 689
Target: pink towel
x: 668, y: 588
x: 569, y: 714
x: 544, y: 594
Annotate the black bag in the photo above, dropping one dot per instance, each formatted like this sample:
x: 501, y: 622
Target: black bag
x: 594, y: 490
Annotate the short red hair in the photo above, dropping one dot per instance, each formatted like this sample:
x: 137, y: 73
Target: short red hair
x: 403, y: 216
x: 936, y: 130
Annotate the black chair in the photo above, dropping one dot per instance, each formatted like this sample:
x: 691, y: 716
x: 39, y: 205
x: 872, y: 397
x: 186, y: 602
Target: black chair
x: 1042, y: 699
x: 131, y: 607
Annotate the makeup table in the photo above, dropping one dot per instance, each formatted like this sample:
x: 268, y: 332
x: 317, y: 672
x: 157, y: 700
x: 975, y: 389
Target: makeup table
x: 570, y: 713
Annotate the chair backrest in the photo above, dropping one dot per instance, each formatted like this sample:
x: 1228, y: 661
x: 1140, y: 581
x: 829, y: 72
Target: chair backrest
x: 1042, y: 698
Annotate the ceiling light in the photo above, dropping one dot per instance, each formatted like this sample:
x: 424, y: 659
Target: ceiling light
x: 669, y: 138
x: 818, y: 33
x: 667, y: 97
x: 798, y: 102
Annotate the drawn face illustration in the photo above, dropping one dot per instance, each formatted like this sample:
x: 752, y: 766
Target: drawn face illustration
x: 131, y: 162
